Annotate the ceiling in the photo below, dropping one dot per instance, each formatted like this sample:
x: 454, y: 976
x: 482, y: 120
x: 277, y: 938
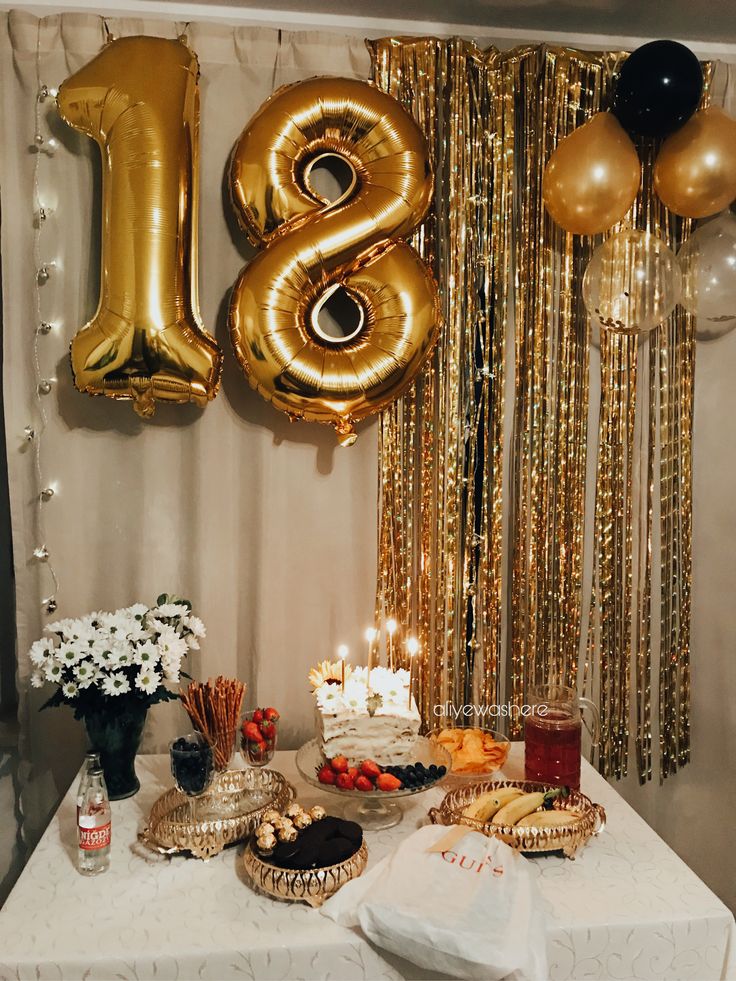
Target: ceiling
x: 704, y: 20
x: 709, y: 25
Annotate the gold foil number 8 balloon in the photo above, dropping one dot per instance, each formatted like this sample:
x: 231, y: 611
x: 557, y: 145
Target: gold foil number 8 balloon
x: 314, y: 248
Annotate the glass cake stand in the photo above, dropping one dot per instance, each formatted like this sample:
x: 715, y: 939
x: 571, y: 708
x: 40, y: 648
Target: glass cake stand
x: 373, y: 809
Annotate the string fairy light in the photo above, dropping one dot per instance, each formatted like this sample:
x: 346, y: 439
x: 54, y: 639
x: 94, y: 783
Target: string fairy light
x: 44, y: 382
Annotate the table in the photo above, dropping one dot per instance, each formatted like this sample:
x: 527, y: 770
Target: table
x: 627, y: 907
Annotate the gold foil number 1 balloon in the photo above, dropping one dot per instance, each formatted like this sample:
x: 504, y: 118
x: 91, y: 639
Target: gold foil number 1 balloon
x: 313, y: 248
x: 138, y: 99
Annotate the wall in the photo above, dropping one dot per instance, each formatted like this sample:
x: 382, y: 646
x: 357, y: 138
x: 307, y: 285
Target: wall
x: 693, y: 810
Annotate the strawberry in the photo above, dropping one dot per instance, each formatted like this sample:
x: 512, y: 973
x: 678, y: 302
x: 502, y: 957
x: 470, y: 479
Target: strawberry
x: 340, y: 764
x: 258, y: 716
x: 370, y: 769
x: 271, y: 715
x: 268, y: 730
x: 252, y: 733
x: 325, y: 774
x: 363, y: 783
x: 353, y: 772
x: 345, y: 782
x: 387, y: 781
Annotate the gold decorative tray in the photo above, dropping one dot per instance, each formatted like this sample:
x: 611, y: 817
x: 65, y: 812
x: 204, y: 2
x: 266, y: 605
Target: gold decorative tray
x: 529, y: 840
x: 226, y: 813
x: 311, y: 886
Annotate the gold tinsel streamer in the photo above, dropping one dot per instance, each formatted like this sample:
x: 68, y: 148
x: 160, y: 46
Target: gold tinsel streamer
x: 492, y: 120
x: 440, y: 538
x: 658, y: 405
x: 558, y: 89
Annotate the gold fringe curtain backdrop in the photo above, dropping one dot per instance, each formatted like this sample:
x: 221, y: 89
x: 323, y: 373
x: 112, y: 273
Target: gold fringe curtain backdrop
x: 645, y: 446
x: 495, y: 618
x: 441, y: 446
x: 558, y: 90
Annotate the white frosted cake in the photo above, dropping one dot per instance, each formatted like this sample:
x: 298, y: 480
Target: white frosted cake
x: 379, y: 724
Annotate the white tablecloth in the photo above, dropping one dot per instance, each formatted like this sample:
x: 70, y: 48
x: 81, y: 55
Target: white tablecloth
x: 627, y: 907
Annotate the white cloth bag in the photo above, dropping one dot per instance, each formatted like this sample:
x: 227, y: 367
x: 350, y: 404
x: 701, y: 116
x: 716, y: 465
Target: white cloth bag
x: 470, y: 912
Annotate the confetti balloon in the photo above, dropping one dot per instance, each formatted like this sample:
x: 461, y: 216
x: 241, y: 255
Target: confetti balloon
x: 708, y: 263
x: 632, y: 283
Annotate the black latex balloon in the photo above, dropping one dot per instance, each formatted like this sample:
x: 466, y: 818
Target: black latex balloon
x: 658, y: 88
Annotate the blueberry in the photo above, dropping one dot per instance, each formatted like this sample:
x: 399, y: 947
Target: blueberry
x: 433, y: 769
x: 441, y: 771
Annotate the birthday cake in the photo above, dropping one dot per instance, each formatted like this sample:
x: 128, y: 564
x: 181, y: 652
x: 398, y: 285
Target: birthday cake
x: 365, y: 719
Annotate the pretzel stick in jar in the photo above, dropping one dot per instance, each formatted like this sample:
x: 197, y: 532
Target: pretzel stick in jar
x: 214, y: 709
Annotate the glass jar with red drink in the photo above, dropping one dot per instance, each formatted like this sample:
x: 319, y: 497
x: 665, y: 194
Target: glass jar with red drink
x: 552, y: 735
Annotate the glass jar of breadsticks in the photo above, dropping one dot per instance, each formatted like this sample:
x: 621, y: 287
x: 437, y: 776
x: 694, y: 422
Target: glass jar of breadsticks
x: 214, y: 709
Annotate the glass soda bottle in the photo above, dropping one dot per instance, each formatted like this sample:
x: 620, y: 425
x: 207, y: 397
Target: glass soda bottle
x: 94, y: 826
x: 91, y: 759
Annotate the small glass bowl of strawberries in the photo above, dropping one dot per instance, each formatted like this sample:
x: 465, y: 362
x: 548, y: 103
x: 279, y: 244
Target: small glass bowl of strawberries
x: 258, y: 732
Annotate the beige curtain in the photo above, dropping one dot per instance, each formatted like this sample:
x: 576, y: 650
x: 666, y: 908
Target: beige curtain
x: 269, y: 528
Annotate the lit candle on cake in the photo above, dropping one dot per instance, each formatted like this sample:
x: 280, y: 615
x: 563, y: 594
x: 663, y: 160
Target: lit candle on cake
x: 391, y: 628
x: 370, y: 635
x: 342, y: 653
x: 412, y: 647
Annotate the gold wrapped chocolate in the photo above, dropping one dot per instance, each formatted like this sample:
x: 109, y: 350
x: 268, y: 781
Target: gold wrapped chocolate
x: 266, y: 843
x: 287, y: 833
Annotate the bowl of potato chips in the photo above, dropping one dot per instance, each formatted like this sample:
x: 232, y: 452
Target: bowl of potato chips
x: 477, y: 753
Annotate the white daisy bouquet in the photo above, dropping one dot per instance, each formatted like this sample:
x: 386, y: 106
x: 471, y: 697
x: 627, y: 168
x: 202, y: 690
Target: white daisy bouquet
x: 101, y: 660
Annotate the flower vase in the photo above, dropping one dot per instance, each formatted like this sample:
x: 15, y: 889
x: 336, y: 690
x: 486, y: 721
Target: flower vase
x: 116, y: 737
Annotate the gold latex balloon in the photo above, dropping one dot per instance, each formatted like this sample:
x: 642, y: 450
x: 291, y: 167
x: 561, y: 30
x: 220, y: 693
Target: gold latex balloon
x: 139, y: 100
x: 695, y: 171
x: 632, y: 283
x: 592, y: 177
x: 317, y: 251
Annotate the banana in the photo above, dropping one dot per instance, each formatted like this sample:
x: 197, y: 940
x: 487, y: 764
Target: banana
x: 518, y: 808
x: 549, y: 819
x: 484, y: 807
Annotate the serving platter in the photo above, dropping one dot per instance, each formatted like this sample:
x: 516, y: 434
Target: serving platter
x: 373, y: 809
x: 311, y: 886
x: 227, y: 813
x: 566, y: 838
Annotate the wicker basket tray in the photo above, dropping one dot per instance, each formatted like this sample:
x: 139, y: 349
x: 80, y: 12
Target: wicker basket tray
x: 528, y: 840
x: 226, y: 813
x: 311, y: 886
